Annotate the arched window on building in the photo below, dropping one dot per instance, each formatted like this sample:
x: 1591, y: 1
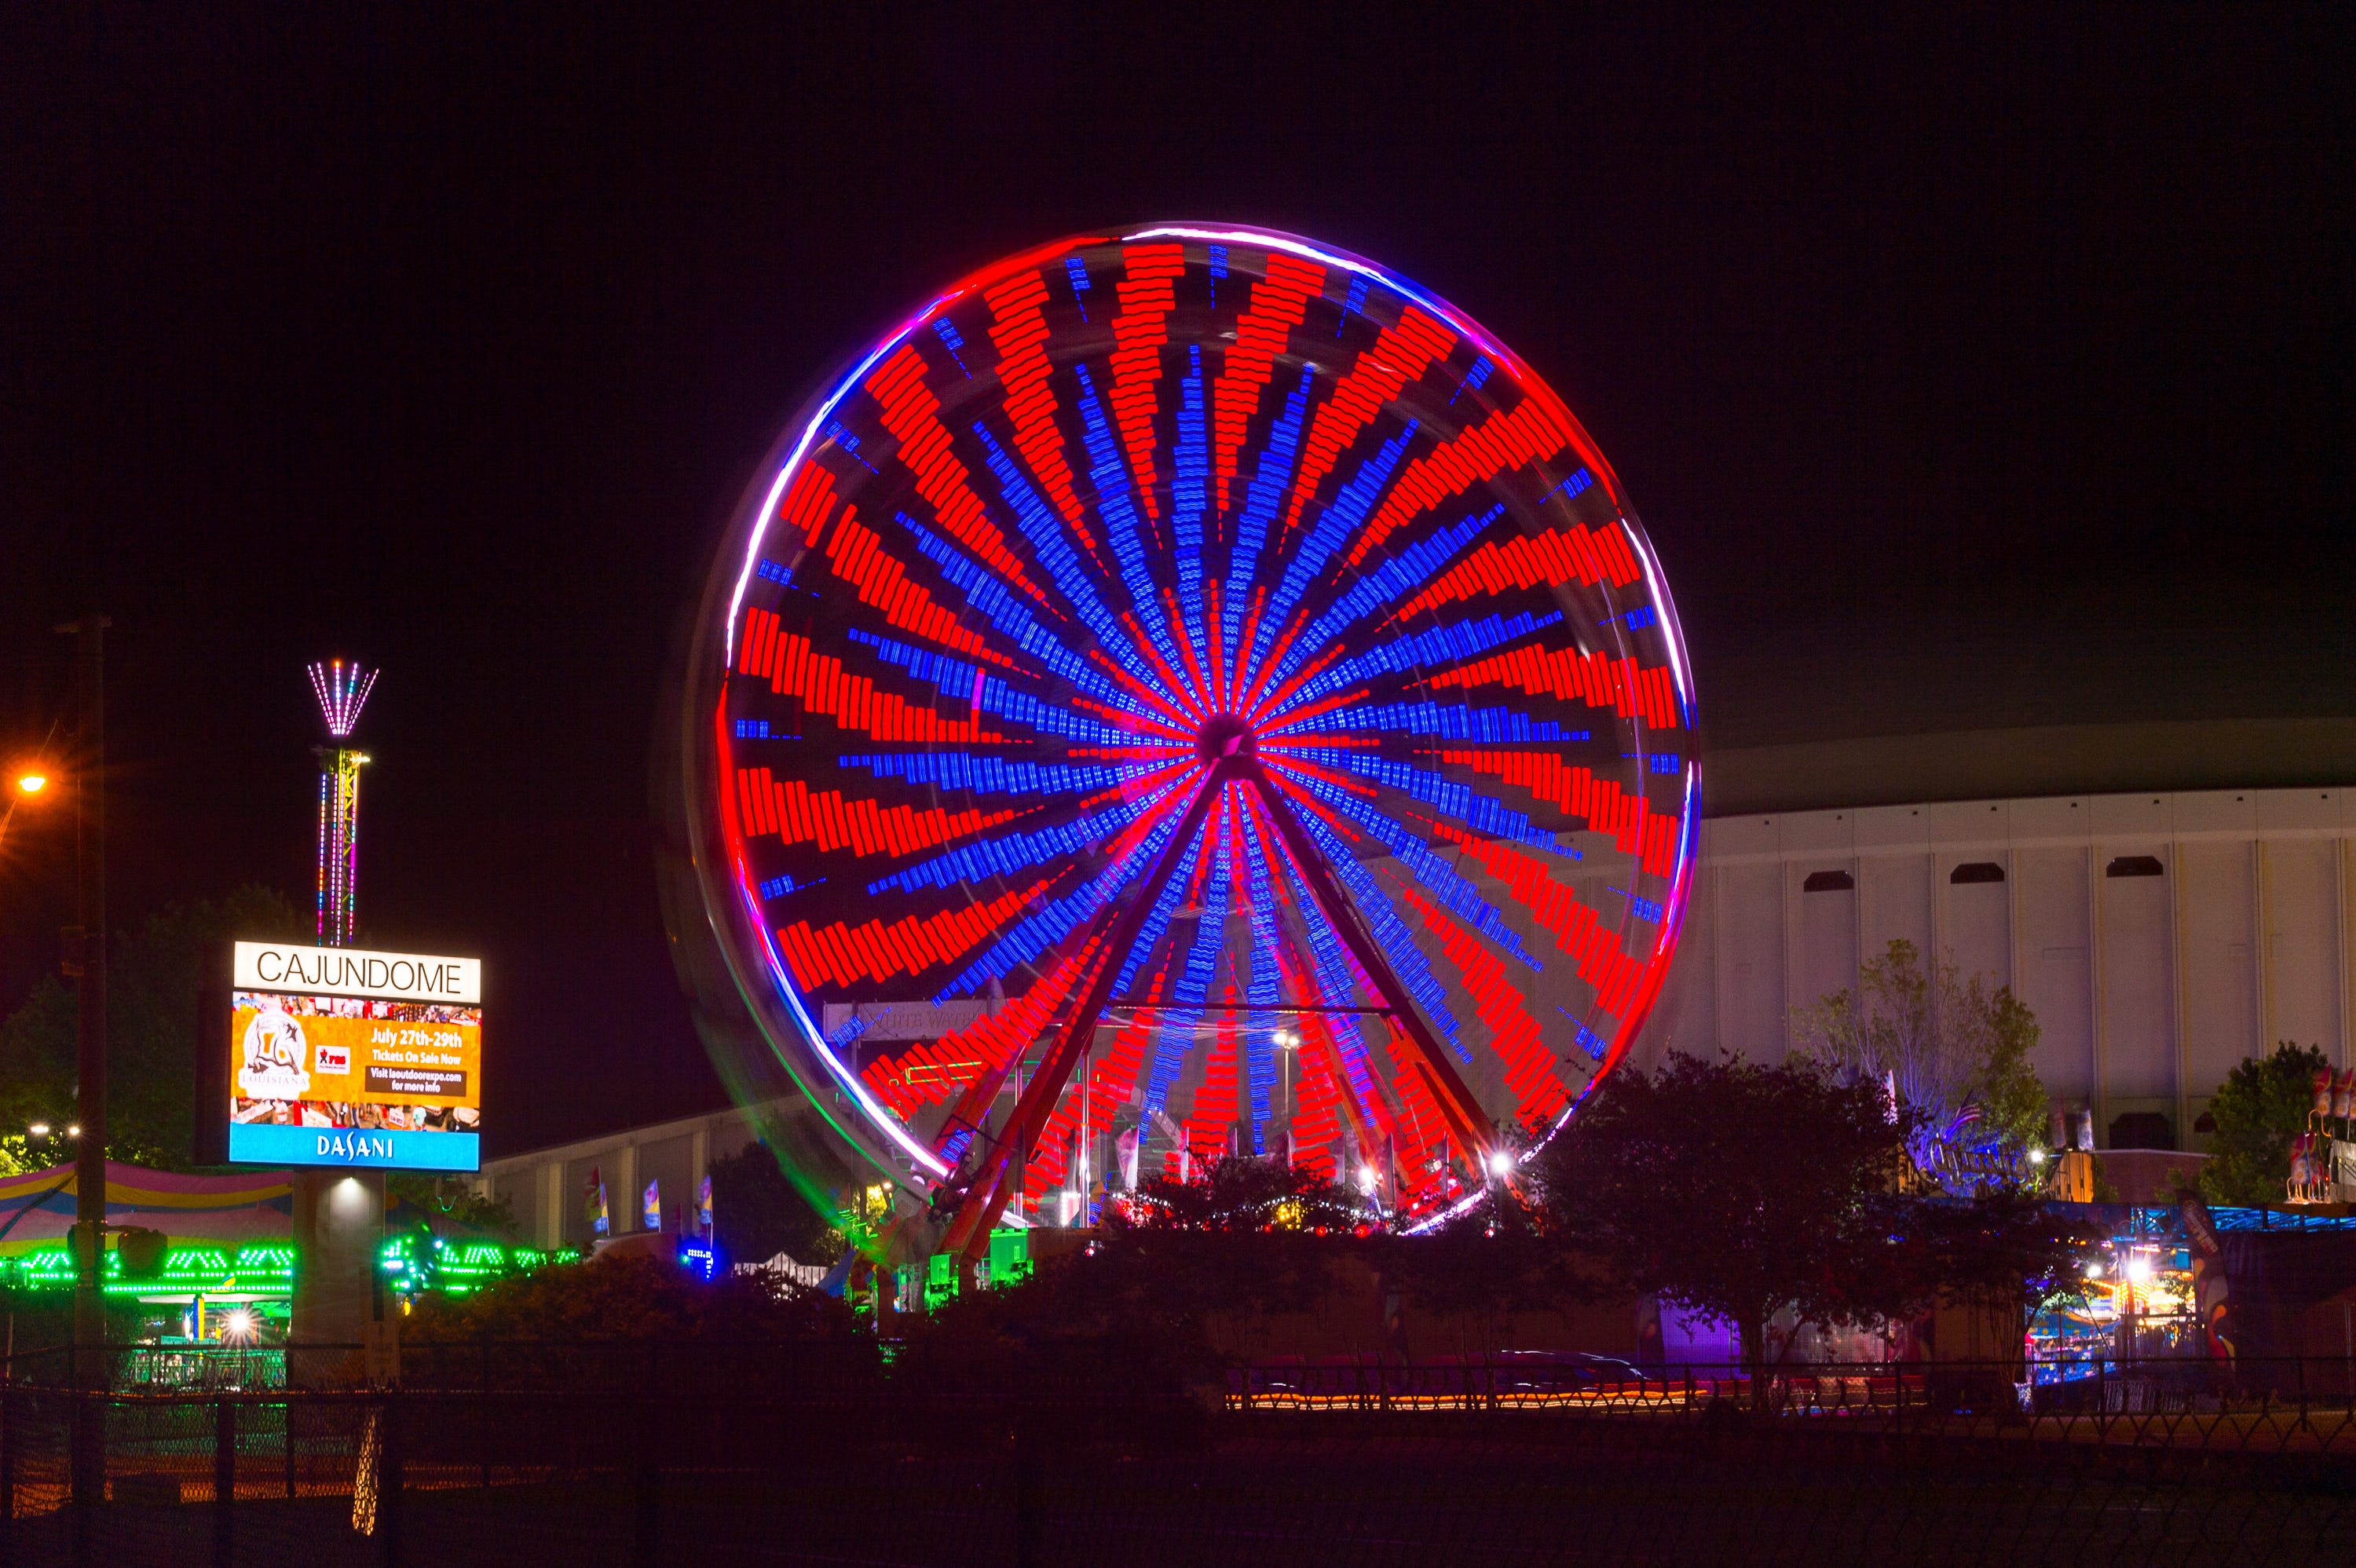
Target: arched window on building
x: 1972, y: 871
x: 1828, y: 882
x: 2135, y: 865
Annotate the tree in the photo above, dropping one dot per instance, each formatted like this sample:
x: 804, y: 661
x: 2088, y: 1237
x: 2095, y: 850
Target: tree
x: 629, y: 1298
x: 1244, y: 1194
x: 758, y: 1211
x: 2001, y: 1247
x: 1248, y: 1238
x: 456, y: 1199
x: 152, y: 985
x: 1950, y: 1047
x: 1743, y: 1193
x: 1487, y: 1264
x: 1735, y: 1190
x: 2262, y: 1105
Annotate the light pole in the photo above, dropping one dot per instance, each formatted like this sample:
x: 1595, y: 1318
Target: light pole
x: 85, y: 960
x: 1286, y: 1043
x: 90, y: 957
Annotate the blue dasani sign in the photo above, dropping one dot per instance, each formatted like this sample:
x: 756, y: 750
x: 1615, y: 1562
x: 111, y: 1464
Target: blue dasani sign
x: 383, y: 1148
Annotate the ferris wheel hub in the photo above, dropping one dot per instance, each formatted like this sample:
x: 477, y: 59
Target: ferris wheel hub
x: 1224, y: 735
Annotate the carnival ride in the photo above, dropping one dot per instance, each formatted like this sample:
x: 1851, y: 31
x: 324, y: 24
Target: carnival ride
x: 1234, y: 677
x: 342, y: 690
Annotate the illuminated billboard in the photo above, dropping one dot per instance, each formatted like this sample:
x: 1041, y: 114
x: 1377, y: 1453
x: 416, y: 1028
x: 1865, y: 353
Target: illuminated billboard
x: 337, y: 1056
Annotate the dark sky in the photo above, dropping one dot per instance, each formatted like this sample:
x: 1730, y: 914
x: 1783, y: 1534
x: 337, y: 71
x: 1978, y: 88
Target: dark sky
x: 1997, y: 374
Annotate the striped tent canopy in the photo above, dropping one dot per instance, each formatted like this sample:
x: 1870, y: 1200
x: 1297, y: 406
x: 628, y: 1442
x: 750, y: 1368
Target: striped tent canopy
x: 38, y: 1208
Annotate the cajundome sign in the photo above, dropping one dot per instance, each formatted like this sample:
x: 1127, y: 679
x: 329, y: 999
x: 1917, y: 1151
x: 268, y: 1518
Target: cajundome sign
x: 345, y: 1057
x: 353, y: 972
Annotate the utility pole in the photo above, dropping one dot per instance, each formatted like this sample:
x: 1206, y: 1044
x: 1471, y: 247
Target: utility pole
x: 89, y: 909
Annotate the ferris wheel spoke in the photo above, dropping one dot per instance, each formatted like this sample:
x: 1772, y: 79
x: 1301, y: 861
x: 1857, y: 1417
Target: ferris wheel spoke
x: 1409, y: 851
x: 976, y: 773
x: 1597, y: 953
x: 1271, y: 482
x: 911, y: 414
x: 825, y: 688
x: 1324, y: 539
x: 1378, y: 589
x: 859, y: 558
x: 1000, y: 1175
x: 1012, y: 618
x: 1052, y: 919
x: 1464, y: 803
x: 1592, y: 557
x: 1528, y: 434
x: 1056, y: 550
x: 1635, y: 825
x: 1347, y: 715
x: 1279, y: 302
x: 1012, y: 853
x: 1019, y: 329
x: 1468, y: 1123
x: 1124, y: 532
x: 1409, y: 655
x: 1148, y: 293
x: 1627, y: 687
x: 1402, y: 353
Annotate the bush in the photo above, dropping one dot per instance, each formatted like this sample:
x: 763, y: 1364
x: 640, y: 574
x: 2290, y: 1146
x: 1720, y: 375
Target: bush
x: 2262, y: 1105
x: 630, y: 1299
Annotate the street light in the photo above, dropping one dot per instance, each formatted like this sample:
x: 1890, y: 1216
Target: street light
x: 1285, y: 1042
x: 32, y: 782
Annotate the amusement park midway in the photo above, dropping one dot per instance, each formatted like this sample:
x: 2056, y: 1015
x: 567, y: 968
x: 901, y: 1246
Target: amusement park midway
x: 1041, y: 783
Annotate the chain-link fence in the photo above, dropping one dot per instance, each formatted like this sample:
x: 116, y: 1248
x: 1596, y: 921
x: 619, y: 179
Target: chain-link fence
x: 625, y: 1455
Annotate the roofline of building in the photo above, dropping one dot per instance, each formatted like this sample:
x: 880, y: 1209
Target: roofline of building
x: 2168, y: 757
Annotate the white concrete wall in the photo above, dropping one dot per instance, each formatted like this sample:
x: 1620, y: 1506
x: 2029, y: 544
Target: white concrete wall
x: 547, y: 1187
x: 2148, y: 989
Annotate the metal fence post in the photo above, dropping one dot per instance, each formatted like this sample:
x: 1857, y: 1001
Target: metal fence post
x: 646, y: 1488
x: 224, y: 1478
x: 389, y: 1481
x: 8, y: 1440
x: 82, y: 1417
x: 1030, y: 1494
x: 483, y: 1416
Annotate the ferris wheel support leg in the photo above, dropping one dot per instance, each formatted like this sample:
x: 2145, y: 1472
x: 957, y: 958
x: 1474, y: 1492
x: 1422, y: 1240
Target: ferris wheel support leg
x: 1000, y: 1174
x: 1466, y: 1119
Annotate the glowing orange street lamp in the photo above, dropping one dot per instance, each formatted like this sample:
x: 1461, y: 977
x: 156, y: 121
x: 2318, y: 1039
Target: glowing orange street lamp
x: 32, y: 782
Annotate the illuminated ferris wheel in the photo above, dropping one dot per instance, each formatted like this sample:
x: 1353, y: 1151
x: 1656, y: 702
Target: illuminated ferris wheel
x: 1229, y: 686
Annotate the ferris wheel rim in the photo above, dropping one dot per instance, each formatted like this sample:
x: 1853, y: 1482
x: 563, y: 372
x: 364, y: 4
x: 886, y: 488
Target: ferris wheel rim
x: 739, y: 909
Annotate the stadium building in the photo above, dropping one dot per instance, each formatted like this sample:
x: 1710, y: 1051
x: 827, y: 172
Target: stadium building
x: 2167, y: 899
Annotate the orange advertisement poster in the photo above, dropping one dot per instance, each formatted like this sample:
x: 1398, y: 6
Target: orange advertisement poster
x: 339, y: 1062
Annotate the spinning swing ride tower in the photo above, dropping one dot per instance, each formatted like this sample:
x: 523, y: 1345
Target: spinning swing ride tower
x: 342, y: 689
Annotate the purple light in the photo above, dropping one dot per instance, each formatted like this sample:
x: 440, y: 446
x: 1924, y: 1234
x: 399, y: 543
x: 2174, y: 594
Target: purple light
x: 342, y: 689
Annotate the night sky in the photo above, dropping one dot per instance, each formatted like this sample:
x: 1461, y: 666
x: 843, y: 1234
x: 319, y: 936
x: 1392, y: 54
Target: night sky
x: 1995, y: 375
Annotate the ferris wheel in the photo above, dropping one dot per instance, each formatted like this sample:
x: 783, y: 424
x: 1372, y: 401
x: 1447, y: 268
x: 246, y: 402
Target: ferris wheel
x: 1229, y: 690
